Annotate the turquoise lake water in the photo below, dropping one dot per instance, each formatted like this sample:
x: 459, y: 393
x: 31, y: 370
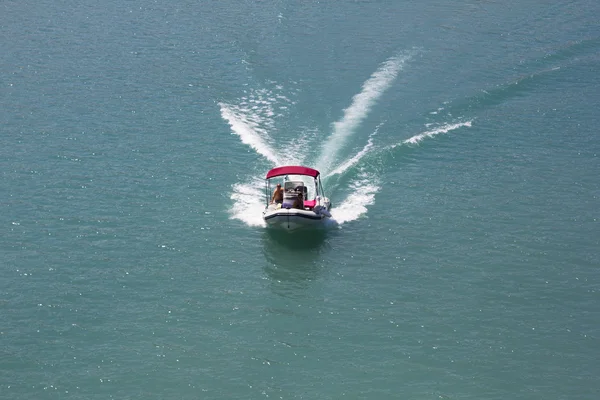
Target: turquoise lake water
x: 458, y: 142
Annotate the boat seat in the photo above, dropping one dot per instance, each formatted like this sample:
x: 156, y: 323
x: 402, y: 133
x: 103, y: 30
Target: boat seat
x: 310, y: 204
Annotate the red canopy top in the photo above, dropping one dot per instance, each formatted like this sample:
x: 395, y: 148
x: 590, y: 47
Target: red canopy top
x: 292, y: 170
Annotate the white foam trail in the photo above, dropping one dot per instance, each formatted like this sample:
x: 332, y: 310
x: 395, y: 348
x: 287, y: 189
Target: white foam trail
x: 367, y: 185
x: 249, y: 132
x: 354, y: 160
x: 253, y: 118
x: 248, y: 203
x: 363, y: 194
x: 442, y: 129
x: 361, y: 104
x: 299, y: 148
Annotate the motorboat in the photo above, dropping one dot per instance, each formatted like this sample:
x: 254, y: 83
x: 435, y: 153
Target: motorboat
x: 303, y: 204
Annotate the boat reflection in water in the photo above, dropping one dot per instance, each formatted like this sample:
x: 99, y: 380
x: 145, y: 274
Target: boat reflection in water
x: 294, y: 260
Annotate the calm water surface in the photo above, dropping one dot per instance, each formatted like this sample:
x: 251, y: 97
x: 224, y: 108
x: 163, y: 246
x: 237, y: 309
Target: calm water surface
x: 457, y: 141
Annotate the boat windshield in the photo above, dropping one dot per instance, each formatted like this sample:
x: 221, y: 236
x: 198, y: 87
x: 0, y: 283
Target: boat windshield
x: 292, y: 186
x: 301, y: 184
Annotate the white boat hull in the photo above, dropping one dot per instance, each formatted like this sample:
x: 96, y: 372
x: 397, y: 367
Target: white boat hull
x: 294, y: 219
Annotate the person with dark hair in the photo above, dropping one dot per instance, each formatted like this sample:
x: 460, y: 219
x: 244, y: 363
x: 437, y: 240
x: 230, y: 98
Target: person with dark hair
x: 299, y: 202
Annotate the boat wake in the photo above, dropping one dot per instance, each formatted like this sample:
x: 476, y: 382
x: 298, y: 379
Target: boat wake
x: 431, y: 133
x: 358, y: 110
x: 254, y: 120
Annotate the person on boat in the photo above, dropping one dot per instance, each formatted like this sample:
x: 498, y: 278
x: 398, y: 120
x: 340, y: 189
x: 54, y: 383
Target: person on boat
x: 277, y: 194
x: 299, y: 202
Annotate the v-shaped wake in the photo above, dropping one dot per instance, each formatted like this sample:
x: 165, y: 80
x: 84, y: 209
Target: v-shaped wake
x: 253, y: 119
